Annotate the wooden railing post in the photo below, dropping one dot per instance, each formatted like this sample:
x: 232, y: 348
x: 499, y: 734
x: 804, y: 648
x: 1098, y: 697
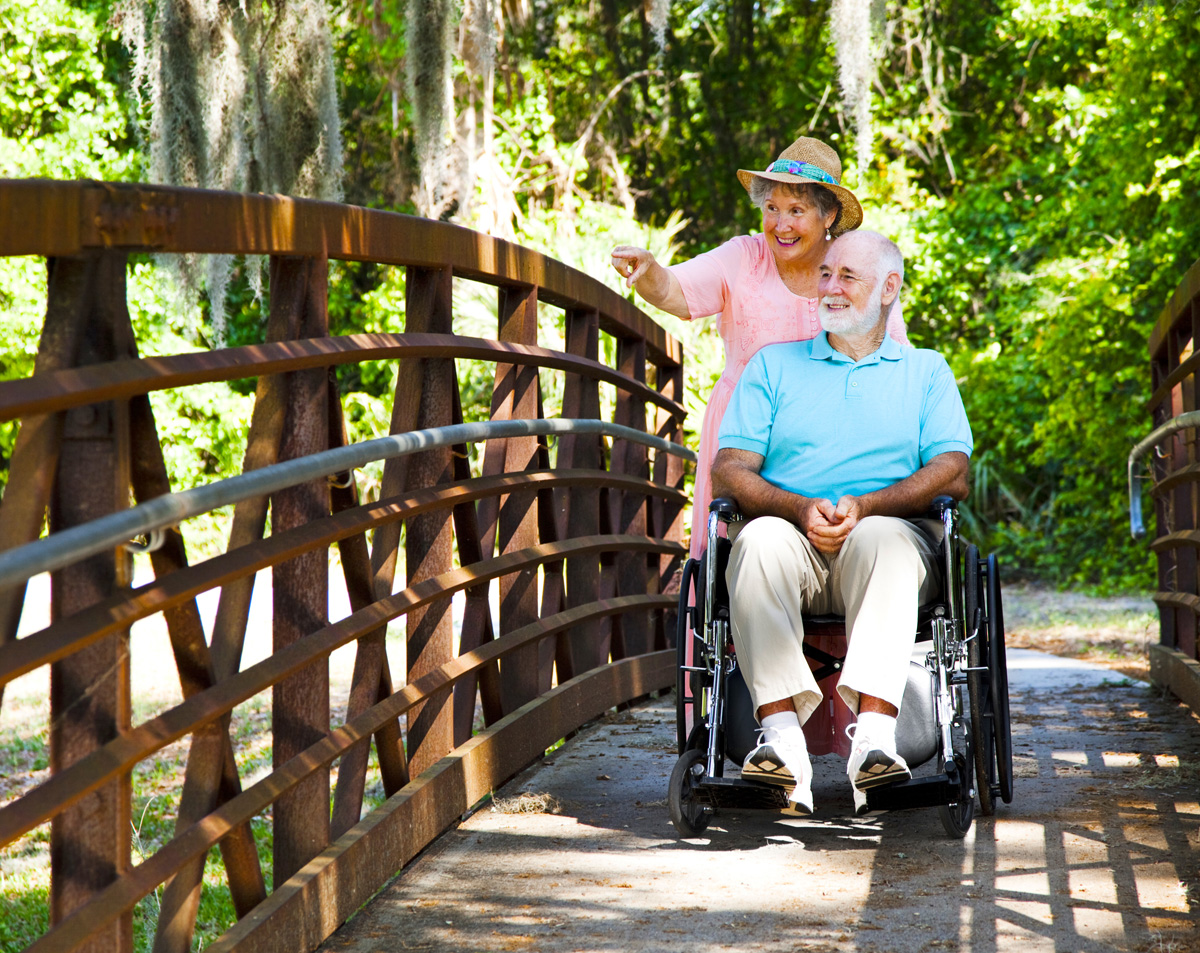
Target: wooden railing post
x: 514, y: 397
x: 89, y: 690
x: 300, y: 704
x: 668, y: 470
x: 429, y: 538
x: 1183, y: 504
x: 1165, y: 563
x: 583, y: 647
x: 631, y: 633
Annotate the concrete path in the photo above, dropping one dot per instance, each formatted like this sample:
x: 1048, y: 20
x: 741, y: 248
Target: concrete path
x: 1100, y: 849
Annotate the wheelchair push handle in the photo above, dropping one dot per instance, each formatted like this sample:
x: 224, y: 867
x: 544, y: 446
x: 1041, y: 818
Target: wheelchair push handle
x: 941, y: 505
x: 725, y: 508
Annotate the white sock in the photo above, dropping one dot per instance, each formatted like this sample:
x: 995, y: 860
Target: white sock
x: 880, y: 728
x: 776, y: 725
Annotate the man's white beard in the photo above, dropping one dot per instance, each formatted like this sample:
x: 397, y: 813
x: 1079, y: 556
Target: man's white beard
x: 852, y: 322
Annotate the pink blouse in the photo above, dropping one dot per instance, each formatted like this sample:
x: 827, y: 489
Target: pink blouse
x: 740, y: 283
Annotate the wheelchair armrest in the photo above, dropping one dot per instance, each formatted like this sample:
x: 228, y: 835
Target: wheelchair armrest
x: 726, y: 509
x: 940, y: 505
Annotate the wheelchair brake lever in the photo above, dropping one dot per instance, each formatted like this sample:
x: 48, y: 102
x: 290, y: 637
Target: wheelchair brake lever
x: 978, y: 622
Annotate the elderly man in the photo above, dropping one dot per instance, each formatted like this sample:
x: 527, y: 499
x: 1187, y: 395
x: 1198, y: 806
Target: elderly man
x: 831, y: 446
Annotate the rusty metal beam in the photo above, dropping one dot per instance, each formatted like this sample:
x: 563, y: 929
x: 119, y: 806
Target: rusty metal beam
x: 583, y: 648
x: 514, y: 396
x: 40, y: 217
x: 90, y: 703
x: 300, y: 585
x: 54, y: 390
x: 429, y: 538
x: 61, y: 638
x: 656, y: 671
x: 629, y: 510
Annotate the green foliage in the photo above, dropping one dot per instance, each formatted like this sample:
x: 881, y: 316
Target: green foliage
x: 1048, y: 263
x: 60, y: 117
x: 60, y: 111
x: 1037, y: 160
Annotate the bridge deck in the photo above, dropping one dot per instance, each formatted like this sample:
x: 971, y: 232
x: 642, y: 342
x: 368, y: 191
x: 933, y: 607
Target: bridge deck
x: 1099, y: 850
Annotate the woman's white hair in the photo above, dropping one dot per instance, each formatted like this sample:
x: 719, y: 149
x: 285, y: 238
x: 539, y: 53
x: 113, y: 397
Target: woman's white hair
x: 825, y: 201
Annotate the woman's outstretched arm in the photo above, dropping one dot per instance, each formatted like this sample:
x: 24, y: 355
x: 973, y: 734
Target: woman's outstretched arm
x: 652, y: 281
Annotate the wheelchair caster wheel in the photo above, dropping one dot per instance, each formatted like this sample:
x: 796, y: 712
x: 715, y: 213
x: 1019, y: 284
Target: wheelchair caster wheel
x: 689, y: 813
x: 957, y: 817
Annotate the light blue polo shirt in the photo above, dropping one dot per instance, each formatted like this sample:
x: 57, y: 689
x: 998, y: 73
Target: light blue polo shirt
x: 827, y: 426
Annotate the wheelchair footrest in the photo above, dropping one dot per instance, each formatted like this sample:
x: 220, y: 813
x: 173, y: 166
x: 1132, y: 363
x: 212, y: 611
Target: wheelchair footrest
x: 734, y: 794
x: 930, y: 791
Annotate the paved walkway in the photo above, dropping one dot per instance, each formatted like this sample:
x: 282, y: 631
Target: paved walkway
x: 1100, y: 849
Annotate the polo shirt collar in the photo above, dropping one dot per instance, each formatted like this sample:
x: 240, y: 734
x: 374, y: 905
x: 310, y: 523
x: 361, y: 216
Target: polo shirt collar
x: 889, y: 350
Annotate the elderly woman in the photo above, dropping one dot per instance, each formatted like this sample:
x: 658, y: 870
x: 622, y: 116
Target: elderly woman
x: 763, y: 287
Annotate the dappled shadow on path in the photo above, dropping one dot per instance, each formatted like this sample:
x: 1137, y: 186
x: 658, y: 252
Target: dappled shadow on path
x: 1100, y: 850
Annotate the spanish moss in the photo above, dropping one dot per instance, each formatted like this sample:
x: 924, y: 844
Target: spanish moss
x: 851, y: 28
x: 241, y: 98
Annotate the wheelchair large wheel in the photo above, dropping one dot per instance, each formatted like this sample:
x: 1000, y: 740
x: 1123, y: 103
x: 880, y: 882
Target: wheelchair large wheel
x: 688, y: 813
x: 998, y: 677
x: 979, y: 681
x: 685, y: 695
x: 958, y: 817
x: 988, y: 683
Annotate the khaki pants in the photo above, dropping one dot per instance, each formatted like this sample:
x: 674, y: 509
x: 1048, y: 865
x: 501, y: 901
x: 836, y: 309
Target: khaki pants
x: 884, y: 570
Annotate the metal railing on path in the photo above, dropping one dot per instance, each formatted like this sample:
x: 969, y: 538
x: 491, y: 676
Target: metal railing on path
x: 576, y: 519
x: 1172, y: 453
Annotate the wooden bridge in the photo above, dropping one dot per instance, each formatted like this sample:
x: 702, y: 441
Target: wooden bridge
x: 575, y: 519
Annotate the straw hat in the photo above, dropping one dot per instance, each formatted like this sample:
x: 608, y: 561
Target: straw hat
x: 810, y: 160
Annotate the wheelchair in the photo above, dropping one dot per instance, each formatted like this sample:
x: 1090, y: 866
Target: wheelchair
x: 955, y: 705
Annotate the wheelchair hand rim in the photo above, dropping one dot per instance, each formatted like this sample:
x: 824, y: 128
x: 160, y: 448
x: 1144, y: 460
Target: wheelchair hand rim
x: 998, y: 678
x: 683, y: 636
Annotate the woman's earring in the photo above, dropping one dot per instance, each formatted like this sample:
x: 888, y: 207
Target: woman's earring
x: 827, y: 235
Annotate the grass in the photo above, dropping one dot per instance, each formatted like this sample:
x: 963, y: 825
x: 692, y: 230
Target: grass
x: 527, y: 802
x: 1115, y: 632
x: 157, y: 785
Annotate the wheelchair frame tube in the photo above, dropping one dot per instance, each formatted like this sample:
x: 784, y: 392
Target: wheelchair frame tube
x: 716, y: 636
x: 710, y: 571
x: 947, y: 633
x: 944, y: 708
x: 953, y: 575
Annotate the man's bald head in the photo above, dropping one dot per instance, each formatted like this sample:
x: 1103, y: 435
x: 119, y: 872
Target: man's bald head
x: 882, y: 251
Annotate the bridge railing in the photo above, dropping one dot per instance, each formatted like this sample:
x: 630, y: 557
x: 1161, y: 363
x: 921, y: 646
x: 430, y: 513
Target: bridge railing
x: 580, y: 546
x: 1174, y: 472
